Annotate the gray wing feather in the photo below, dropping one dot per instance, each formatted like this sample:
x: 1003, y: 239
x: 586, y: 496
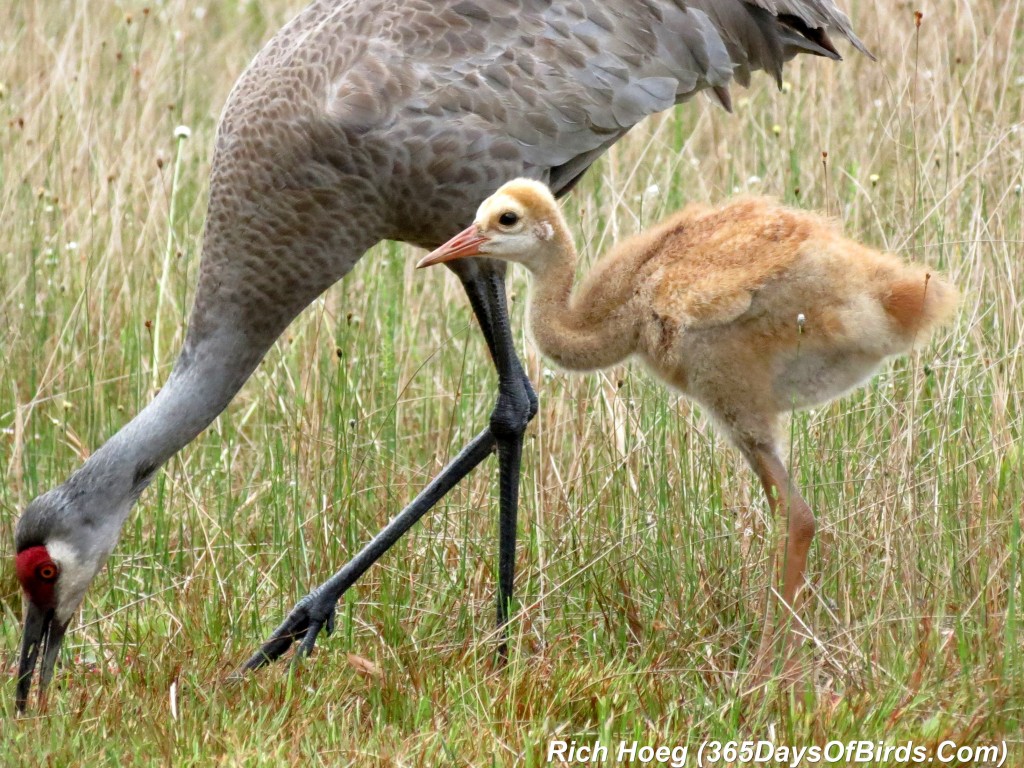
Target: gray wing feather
x: 563, y: 81
x: 815, y: 14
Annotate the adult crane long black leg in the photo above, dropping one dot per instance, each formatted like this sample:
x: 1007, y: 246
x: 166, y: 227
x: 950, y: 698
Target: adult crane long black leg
x: 516, y: 405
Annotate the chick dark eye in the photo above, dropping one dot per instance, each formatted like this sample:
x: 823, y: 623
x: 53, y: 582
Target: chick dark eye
x: 508, y: 219
x: 47, y: 572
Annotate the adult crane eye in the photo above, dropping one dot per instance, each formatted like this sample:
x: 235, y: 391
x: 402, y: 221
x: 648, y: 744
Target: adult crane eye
x: 47, y: 572
x: 508, y: 219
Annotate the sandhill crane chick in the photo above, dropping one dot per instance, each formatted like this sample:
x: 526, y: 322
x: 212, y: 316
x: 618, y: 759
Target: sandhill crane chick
x: 752, y: 309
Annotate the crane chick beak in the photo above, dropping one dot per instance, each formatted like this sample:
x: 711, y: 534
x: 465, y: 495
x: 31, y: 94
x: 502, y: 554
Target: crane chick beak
x: 466, y: 243
x: 42, y: 630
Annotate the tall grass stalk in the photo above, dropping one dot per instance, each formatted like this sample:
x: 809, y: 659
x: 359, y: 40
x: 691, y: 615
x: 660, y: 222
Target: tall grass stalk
x: 181, y: 135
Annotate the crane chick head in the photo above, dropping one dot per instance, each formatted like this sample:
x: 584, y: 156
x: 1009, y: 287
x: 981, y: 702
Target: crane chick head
x: 60, y: 548
x: 520, y: 223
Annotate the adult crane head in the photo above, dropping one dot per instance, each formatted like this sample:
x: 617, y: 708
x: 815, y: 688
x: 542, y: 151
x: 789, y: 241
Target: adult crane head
x: 520, y: 223
x: 62, y: 541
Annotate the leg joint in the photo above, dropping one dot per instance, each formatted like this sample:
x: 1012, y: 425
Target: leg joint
x: 514, y: 410
x: 802, y: 524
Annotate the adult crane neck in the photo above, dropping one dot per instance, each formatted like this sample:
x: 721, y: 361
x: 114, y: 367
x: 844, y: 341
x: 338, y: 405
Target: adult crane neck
x: 205, y: 378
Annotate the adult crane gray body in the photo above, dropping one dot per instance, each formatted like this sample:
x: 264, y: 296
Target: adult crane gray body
x: 364, y: 120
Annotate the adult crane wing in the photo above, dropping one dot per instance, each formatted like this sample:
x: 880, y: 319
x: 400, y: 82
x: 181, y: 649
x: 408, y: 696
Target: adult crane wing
x: 813, y: 15
x: 562, y: 81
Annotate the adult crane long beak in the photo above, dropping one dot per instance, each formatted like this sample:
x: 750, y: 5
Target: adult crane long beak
x: 466, y: 243
x: 42, y: 630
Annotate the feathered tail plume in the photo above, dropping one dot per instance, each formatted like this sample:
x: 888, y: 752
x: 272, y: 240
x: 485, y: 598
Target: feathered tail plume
x: 919, y: 301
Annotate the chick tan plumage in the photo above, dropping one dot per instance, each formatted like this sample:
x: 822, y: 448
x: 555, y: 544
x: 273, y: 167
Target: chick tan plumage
x: 752, y: 309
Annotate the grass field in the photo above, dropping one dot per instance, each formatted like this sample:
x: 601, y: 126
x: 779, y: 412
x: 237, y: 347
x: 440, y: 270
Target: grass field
x: 644, y: 539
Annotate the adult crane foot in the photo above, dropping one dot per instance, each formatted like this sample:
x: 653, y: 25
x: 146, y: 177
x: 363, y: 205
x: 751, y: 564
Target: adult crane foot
x: 315, y: 612
x: 311, y: 615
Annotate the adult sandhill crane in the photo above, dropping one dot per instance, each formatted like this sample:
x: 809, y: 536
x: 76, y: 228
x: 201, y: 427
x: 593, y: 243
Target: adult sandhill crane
x: 751, y: 309
x: 364, y: 120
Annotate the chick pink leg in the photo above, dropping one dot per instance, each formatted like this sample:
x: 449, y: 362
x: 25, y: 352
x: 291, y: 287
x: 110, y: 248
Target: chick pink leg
x: 783, y: 499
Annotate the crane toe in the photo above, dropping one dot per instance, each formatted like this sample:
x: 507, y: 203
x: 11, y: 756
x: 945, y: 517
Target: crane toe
x: 311, y: 615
